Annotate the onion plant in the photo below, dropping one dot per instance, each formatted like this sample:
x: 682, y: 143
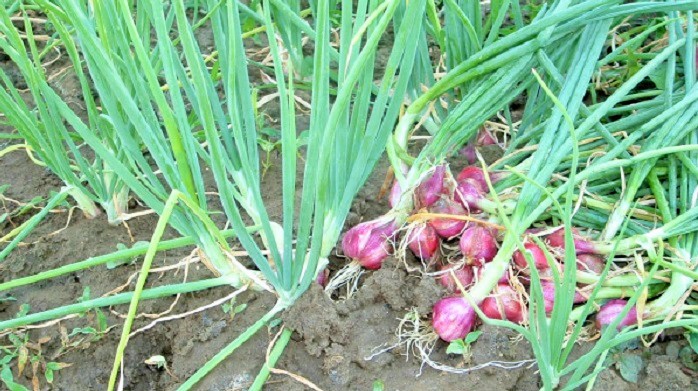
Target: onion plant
x: 555, y: 120
x: 553, y: 145
x: 156, y: 95
x: 87, y: 179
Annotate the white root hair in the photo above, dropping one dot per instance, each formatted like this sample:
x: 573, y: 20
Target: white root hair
x: 419, y: 338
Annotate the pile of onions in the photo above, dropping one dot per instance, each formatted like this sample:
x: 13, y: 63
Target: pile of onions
x: 449, y: 214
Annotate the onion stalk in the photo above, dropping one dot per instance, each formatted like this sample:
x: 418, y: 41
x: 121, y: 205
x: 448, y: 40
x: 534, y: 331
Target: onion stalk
x: 168, y: 119
x: 90, y: 180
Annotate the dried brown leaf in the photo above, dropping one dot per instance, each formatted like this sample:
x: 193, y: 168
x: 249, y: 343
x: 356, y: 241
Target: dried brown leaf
x: 22, y: 358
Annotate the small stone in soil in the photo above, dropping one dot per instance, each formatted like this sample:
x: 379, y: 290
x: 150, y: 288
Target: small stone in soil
x: 672, y: 350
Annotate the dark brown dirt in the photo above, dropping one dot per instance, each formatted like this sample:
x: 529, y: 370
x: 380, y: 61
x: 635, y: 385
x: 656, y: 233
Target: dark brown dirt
x: 344, y: 334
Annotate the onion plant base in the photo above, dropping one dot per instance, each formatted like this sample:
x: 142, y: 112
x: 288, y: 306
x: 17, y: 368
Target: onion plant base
x: 348, y: 277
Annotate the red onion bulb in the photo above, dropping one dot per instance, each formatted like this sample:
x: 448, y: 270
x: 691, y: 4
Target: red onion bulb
x: 478, y: 244
x: 423, y: 241
x: 475, y: 173
x: 611, y: 310
x: 470, y: 153
x: 590, y: 263
x: 369, y: 242
x: 484, y: 137
x: 581, y: 245
x: 504, y: 303
x: 429, y: 191
x: 453, y: 318
x: 464, y: 275
x: 395, y: 194
x: 536, y: 252
x: 446, y: 227
x: 548, y: 288
x: 323, y: 277
x: 469, y: 193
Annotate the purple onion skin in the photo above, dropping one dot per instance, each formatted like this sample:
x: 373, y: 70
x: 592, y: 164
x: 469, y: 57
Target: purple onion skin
x: 504, y: 280
x: 423, y: 241
x: 469, y: 193
x: 484, y: 137
x: 395, y: 194
x: 447, y: 228
x: 581, y: 245
x: 453, y: 318
x: 470, y: 154
x: 590, y: 263
x: 474, y: 173
x: 549, y: 296
x: 368, y: 242
x: 535, y: 230
x: 503, y: 304
x: 490, y: 307
x: 323, y: 277
x: 478, y: 244
x: 538, y: 255
x: 429, y: 191
x: 465, y: 275
x: 611, y: 310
